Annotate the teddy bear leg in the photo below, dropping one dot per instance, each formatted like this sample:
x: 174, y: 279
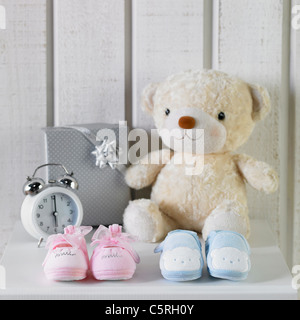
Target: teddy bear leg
x: 143, y: 219
x: 227, y: 250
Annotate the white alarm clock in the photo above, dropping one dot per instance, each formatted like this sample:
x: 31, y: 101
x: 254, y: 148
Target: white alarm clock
x: 49, y: 208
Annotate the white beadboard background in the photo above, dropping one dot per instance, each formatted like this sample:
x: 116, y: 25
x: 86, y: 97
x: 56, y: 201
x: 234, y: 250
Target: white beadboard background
x: 74, y: 61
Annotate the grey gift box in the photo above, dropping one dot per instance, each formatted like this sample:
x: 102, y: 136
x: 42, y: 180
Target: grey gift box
x: 103, y: 192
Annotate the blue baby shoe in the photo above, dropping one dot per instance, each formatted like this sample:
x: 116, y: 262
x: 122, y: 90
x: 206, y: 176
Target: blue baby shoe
x: 181, y: 258
x: 228, y: 255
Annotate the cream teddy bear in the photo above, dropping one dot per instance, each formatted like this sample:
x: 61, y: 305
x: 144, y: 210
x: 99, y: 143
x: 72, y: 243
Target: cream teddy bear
x: 199, y: 188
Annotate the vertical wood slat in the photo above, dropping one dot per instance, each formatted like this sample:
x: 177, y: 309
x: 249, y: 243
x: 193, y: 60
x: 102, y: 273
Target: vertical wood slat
x: 89, y: 61
x: 167, y: 38
x: 286, y: 119
x: 23, y: 102
x: 295, y: 105
x: 249, y: 45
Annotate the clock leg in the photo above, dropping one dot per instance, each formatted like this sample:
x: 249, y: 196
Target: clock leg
x: 40, y: 242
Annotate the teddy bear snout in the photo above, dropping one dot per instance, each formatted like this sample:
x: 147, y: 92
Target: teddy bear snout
x: 187, y: 123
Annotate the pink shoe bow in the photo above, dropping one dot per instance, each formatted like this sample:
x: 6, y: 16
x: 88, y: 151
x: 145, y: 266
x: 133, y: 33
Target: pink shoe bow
x: 113, y: 237
x: 73, y: 236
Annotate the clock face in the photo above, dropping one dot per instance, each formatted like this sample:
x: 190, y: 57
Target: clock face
x: 54, y: 212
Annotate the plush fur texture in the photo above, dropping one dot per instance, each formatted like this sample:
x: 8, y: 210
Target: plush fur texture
x: 213, y: 195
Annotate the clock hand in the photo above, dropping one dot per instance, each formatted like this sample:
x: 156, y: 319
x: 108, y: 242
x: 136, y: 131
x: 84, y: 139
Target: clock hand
x: 54, y: 198
x: 55, y: 219
x: 55, y: 214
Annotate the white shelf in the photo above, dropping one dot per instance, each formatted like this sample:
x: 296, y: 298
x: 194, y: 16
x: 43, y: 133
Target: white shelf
x: 269, y: 278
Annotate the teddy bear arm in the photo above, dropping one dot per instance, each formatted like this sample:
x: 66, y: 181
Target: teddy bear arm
x: 141, y: 176
x: 259, y: 175
x: 144, y: 174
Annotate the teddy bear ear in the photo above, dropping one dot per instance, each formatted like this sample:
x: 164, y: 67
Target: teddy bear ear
x: 148, y: 97
x: 261, y: 102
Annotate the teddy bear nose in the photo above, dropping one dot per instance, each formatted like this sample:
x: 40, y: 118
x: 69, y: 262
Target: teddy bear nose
x: 187, y: 123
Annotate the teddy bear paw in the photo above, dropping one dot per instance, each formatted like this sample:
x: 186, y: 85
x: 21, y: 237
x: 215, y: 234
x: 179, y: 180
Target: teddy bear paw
x: 141, y: 219
x: 270, y: 183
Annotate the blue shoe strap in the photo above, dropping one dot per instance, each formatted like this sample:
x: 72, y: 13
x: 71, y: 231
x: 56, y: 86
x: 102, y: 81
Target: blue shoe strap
x: 160, y: 247
x: 220, y: 239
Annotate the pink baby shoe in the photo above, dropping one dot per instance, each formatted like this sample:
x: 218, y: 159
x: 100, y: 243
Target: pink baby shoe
x: 67, y: 258
x: 113, y: 258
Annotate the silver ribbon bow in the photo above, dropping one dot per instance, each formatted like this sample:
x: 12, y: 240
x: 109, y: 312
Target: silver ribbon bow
x: 106, y: 154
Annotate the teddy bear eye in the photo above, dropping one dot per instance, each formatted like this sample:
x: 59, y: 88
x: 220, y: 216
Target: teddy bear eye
x: 168, y: 112
x: 221, y: 116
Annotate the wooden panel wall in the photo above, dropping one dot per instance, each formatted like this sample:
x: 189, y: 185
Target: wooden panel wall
x: 73, y: 62
x: 23, y: 103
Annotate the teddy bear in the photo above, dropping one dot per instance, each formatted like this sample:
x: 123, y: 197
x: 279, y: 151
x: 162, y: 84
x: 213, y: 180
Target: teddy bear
x: 199, y: 181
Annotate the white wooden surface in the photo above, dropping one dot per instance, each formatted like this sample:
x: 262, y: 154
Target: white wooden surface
x: 92, y: 47
x: 268, y: 279
x: 168, y: 37
x: 89, y: 61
